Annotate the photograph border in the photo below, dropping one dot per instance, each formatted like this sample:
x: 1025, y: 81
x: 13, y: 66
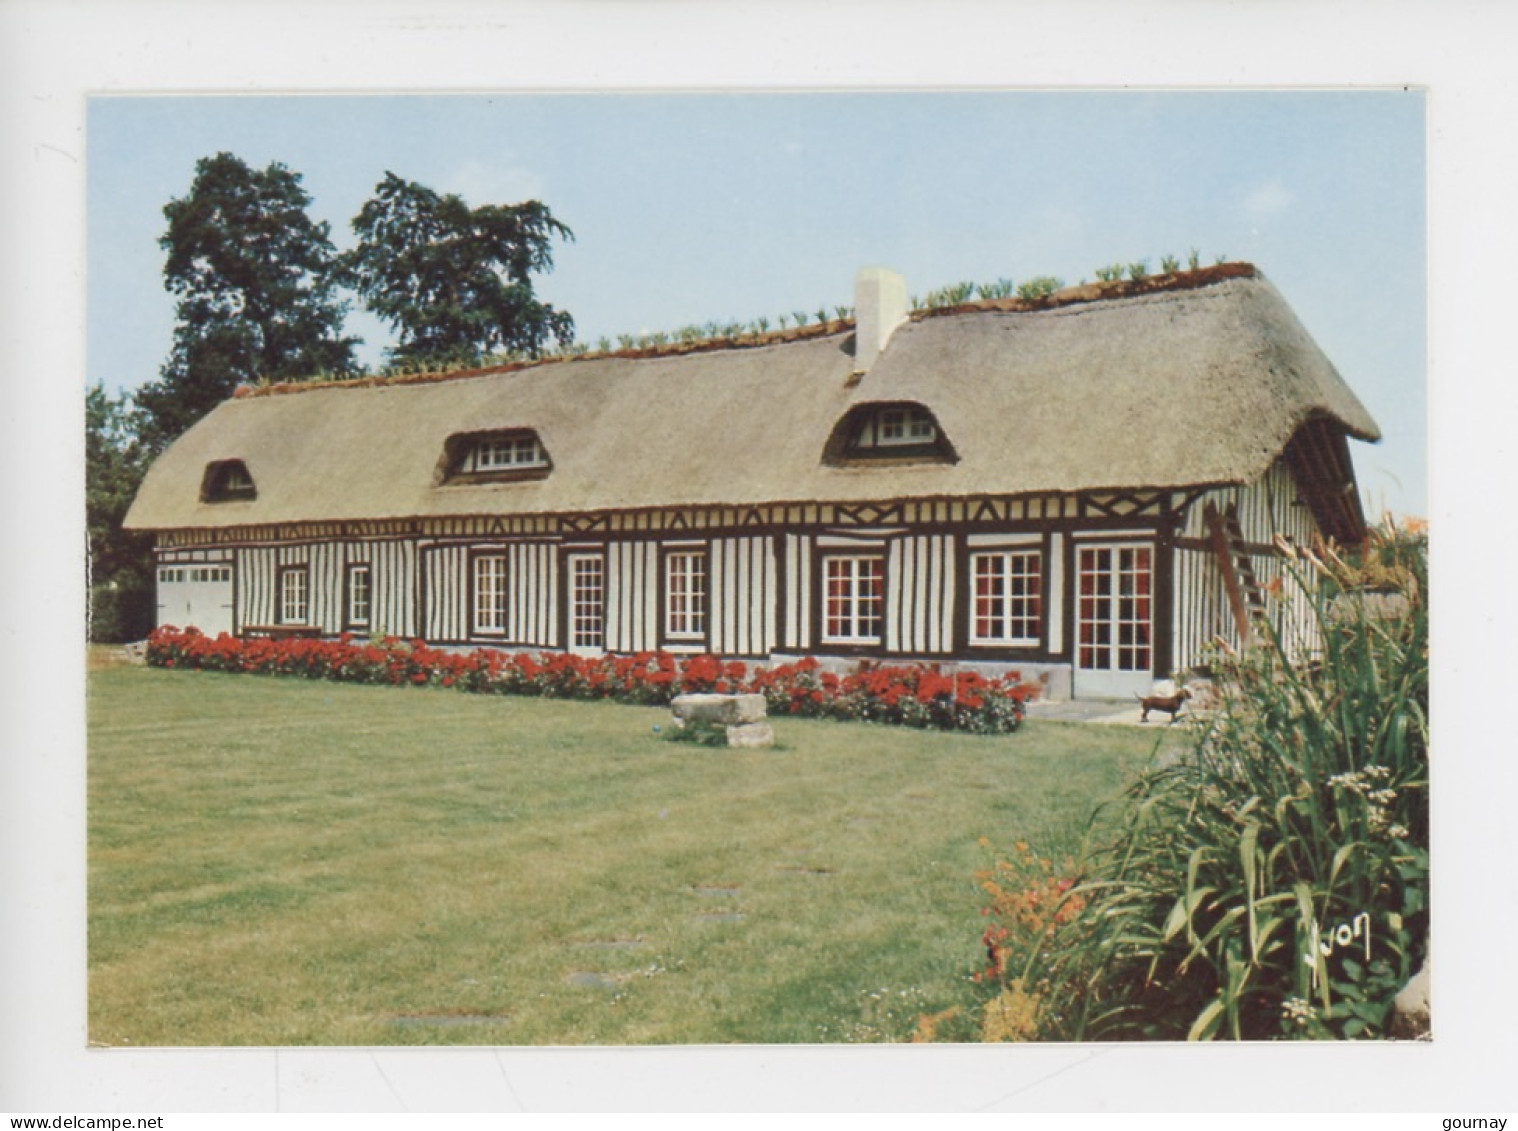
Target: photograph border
x: 64, y: 53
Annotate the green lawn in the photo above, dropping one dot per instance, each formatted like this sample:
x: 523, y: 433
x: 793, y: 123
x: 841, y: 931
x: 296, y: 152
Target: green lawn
x: 283, y: 862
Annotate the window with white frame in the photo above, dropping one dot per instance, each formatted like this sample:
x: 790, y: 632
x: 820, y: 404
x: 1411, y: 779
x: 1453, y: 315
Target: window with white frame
x: 494, y: 457
x: 1007, y: 597
x: 853, y: 598
x: 294, y: 594
x: 893, y: 433
x: 504, y: 453
x: 587, y: 609
x: 906, y: 424
x: 490, y: 593
x: 359, y: 593
x: 685, y: 595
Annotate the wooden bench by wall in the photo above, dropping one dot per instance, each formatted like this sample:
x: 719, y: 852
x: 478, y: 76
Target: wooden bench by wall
x: 282, y: 631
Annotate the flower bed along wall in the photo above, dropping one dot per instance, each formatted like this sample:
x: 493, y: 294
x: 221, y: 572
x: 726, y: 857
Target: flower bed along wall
x: 905, y: 695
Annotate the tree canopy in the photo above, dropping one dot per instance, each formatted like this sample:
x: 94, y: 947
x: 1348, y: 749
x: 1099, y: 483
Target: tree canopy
x: 121, y: 581
x: 256, y: 281
x: 454, y: 282
x: 257, y: 285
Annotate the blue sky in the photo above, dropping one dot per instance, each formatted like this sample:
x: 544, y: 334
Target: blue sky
x: 698, y: 207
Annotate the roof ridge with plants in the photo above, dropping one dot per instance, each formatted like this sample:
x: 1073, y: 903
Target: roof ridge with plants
x: 1038, y: 294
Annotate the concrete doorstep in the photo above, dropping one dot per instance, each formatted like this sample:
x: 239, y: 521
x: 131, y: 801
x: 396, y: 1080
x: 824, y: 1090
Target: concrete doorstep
x: 1115, y: 711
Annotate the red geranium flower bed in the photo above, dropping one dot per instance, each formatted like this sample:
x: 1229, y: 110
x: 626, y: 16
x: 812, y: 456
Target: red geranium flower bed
x: 905, y: 695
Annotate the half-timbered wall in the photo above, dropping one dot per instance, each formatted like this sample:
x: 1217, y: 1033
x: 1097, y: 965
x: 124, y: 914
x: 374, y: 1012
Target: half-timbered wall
x: 532, y: 588
x: 633, y: 590
x: 392, y: 584
x: 798, y: 593
x: 445, y: 589
x: 760, y: 572
x: 920, y: 595
x: 1266, y: 508
x: 259, y: 568
x: 1202, y: 612
x: 744, y: 595
x: 762, y: 589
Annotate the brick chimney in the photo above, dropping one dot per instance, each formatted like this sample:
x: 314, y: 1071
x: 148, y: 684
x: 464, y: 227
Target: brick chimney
x: 880, y: 305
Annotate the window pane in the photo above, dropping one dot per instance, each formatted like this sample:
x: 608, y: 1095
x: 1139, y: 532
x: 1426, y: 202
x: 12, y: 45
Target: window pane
x: 490, y: 593
x: 685, y: 588
x: 1007, y: 600
x: 854, y: 606
x: 505, y: 452
x: 587, y: 602
x: 358, y: 595
x: 292, y: 595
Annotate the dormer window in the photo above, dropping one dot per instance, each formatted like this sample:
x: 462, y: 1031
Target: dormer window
x: 906, y: 424
x: 895, y: 432
x: 506, y: 453
x: 227, y: 481
x: 494, y: 457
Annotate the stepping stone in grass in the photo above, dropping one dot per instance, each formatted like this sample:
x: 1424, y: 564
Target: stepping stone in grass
x: 592, y: 980
x: 609, y: 944
x: 720, y: 917
x: 716, y: 889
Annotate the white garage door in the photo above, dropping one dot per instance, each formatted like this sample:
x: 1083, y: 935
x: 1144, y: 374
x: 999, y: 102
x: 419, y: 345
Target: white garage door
x: 198, y: 595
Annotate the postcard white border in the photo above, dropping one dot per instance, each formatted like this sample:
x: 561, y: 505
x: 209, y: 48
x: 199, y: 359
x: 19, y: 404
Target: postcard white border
x: 54, y: 54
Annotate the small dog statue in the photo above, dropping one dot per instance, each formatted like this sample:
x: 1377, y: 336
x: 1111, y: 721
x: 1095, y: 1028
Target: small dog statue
x: 1170, y: 704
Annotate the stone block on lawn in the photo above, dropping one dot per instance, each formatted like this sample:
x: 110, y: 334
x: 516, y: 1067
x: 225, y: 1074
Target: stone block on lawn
x: 719, y: 710
x: 741, y: 718
x: 751, y: 735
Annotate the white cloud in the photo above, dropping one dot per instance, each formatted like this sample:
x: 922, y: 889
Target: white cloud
x: 479, y: 182
x: 1267, y: 200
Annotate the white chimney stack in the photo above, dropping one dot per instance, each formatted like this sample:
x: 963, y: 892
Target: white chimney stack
x: 880, y: 305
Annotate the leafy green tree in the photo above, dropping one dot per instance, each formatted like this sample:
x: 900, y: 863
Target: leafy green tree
x: 256, y: 280
x: 121, y: 567
x: 454, y: 282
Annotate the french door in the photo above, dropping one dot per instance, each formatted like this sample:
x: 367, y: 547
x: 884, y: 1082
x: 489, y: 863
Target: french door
x: 1114, y: 610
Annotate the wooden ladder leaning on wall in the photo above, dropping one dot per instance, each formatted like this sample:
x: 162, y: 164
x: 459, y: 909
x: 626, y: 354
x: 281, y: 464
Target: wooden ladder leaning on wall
x: 1244, y: 595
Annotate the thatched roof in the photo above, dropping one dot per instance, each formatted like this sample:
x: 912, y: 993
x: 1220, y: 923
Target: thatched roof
x: 1202, y: 383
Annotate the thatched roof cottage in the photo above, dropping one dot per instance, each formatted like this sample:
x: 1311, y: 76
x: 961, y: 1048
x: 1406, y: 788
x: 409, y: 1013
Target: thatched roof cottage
x: 1084, y: 486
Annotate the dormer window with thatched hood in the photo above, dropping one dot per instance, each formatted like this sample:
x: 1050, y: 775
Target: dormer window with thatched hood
x: 226, y: 481
x: 888, y: 432
x: 494, y: 457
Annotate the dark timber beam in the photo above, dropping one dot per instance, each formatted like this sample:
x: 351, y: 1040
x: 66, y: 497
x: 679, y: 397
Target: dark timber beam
x: 1218, y: 535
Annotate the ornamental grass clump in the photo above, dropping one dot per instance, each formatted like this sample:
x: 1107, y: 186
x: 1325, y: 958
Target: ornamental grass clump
x: 1273, y: 881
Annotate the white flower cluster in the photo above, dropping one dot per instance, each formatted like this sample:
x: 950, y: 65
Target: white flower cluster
x: 1369, y: 783
x: 1366, y: 782
x: 1296, y: 1010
